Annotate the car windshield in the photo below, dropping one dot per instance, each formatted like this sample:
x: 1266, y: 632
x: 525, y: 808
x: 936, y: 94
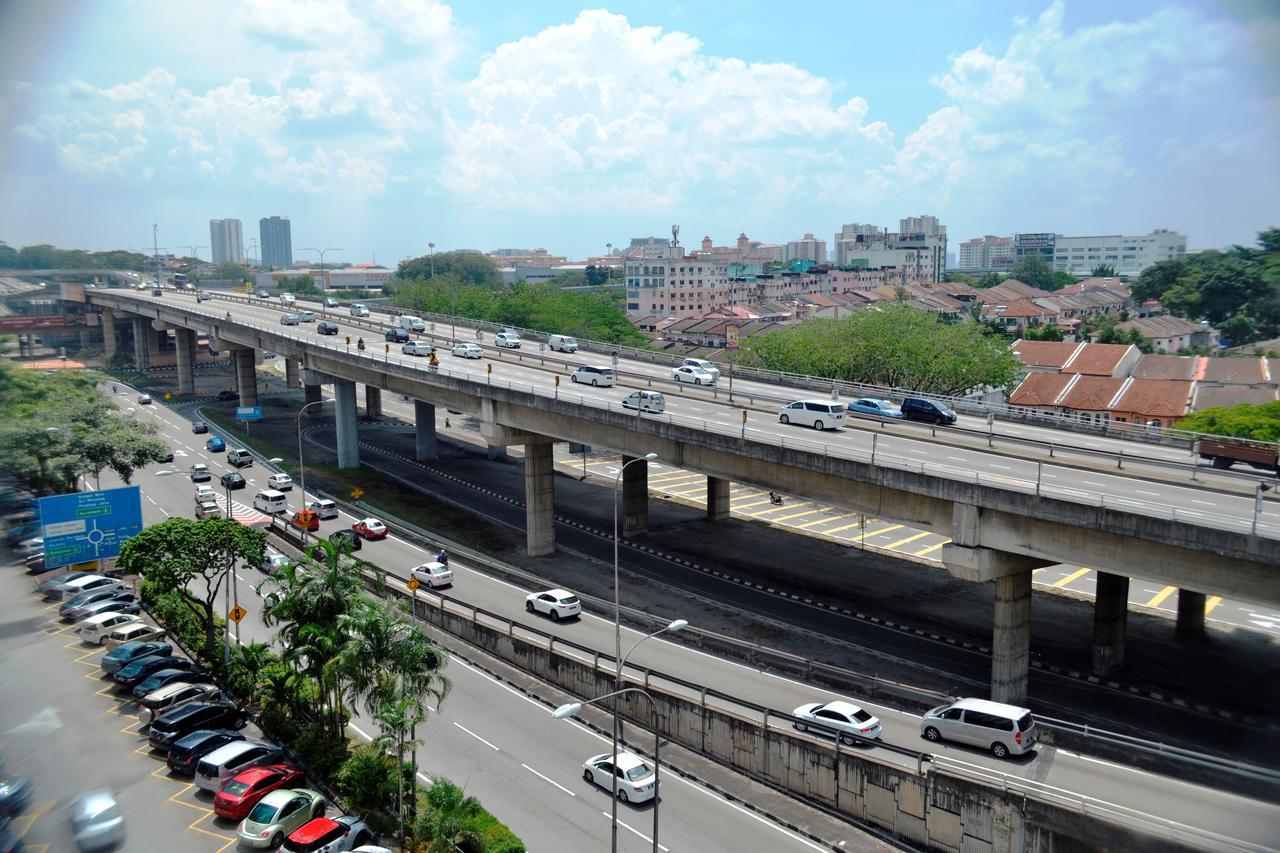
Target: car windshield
x: 640, y: 771
x: 235, y: 789
x: 262, y: 813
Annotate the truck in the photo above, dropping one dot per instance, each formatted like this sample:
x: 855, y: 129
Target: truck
x: 412, y: 324
x: 1224, y: 452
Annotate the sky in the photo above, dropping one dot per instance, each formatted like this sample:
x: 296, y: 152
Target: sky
x: 380, y: 126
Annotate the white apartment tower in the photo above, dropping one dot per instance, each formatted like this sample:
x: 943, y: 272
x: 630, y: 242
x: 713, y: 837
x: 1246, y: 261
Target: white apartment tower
x: 663, y: 280
x: 986, y: 253
x: 227, y: 240
x: 920, y: 242
x: 807, y: 248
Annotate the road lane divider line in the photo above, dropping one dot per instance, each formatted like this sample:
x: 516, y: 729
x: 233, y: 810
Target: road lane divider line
x: 549, y: 780
x: 477, y: 737
x: 908, y: 540
x: 632, y: 829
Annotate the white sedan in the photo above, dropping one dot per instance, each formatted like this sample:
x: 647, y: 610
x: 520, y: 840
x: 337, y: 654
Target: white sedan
x: 467, y: 350
x: 417, y: 348
x: 694, y: 375
x: 842, y: 717
x: 634, y: 779
x: 280, y: 482
x: 96, y: 628
x: 556, y: 603
x: 433, y: 574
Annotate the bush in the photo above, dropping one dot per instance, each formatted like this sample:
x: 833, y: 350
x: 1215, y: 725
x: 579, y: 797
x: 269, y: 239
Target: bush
x: 448, y: 819
x: 367, y: 779
x: 321, y: 752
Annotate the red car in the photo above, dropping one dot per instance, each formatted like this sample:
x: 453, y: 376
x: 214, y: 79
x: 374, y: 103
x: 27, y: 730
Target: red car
x: 305, y: 519
x: 242, y: 791
x: 370, y: 528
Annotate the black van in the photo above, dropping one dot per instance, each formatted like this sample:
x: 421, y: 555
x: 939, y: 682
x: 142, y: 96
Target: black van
x: 920, y: 409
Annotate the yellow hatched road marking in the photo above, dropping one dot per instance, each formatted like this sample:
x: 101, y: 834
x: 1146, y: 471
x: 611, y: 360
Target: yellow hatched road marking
x: 799, y: 514
x: 780, y: 508
x: 892, y: 527
x: 920, y: 535
x: 751, y: 504
x: 1159, y: 597
x: 686, y: 492
x: 931, y: 548
x: 1212, y: 602
x: 809, y: 524
x: 668, y: 478
x: 1074, y: 576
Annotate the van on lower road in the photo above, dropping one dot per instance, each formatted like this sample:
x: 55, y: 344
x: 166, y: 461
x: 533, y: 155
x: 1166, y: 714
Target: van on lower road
x: 599, y: 377
x: 1003, y: 729
x: 819, y: 414
x: 239, y: 457
x: 412, y: 324
x: 562, y: 343
x: 270, y: 501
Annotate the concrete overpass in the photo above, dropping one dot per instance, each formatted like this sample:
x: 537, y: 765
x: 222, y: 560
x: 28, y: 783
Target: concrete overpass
x: 1001, y: 530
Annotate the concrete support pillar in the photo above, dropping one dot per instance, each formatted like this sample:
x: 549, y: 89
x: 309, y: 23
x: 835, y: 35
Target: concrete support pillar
x: 372, y: 401
x: 186, y: 372
x: 311, y: 395
x: 154, y: 336
x: 344, y: 396
x: 108, y: 332
x: 539, y: 499
x: 141, y: 353
x: 496, y: 453
x: 85, y: 338
x: 717, y: 499
x: 1110, y: 611
x: 246, y: 375
x: 1011, y: 638
x: 292, y: 367
x: 424, y: 416
x: 1190, y: 615
x: 635, y: 496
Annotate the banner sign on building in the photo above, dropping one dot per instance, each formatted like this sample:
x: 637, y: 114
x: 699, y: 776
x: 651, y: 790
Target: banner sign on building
x: 731, y: 335
x: 84, y: 526
x: 1034, y: 241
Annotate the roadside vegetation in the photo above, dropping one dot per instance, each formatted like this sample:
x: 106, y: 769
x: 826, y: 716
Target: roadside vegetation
x: 1260, y: 423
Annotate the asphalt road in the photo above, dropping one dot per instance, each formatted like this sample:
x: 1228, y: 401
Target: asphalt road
x: 945, y: 452
x: 1214, y: 811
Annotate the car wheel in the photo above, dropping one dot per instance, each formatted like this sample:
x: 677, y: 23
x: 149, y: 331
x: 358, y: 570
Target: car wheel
x: 555, y: 616
x: 999, y: 750
x: 594, y: 383
x: 697, y: 381
x: 622, y: 795
x: 528, y: 605
x: 784, y: 419
x: 817, y: 424
x: 588, y: 775
x: 930, y: 733
x: 801, y: 727
x: 573, y: 377
x: 847, y: 740
x: 276, y: 840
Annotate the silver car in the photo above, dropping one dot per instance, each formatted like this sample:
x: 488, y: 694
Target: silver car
x: 289, y: 319
x: 96, y: 821
x: 844, y: 719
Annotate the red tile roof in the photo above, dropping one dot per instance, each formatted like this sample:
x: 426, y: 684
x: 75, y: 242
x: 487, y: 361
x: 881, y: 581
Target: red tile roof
x: 1156, y: 398
x: 1092, y: 393
x: 1098, y: 359
x: 1040, y: 389
x: 1044, y: 353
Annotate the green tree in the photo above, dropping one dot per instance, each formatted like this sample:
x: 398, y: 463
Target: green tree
x: 470, y: 268
x: 303, y: 285
x: 991, y: 279
x: 1260, y: 422
x: 1062, y: 279
x: 1047, y: 332
x: 8, y: 256
x: 192, y: 559
x: 1034, y: 270
x: 445, y: 825
x: 1104, y: 271
x: 229, y: 271
x: 596, y: 275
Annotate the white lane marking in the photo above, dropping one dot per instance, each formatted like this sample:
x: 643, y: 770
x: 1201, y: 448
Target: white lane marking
x: 359, y: 731
x: 1001, y: 467
x: 957, y: 459
x: 647, y: 839
x: 457, y: 662
x: 1203, y: 503
x: 477, y: 737
x: 545, y: 779
x: 1091, y: 483
x: 1152, y: 494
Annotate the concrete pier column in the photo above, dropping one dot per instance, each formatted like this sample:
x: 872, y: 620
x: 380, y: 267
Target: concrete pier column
x: 1190, y: 615
x: 424, y: 416
x: 372, y: 401
x: 246, y: 375
x: 292, y: 367
x: 635, y: 496
x: 186, y: 373
x: 496, y: 452
x: 717, y: 499
x: 539, y: 499
x: 1110, y: 611
x: 311, y: 394
x: 86, y: 338
x: 344, y: 396
x: 108, y: 332
x: 1011, y: 638
x: 141, y: 352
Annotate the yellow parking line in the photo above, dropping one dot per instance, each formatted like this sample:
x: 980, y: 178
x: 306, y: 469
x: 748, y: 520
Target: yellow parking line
x: 683, y: 493
x: 931, y: 548
x: 1074, y: 576
x: 861, y: 521
x: 1212, y: 602
x: 809, y: 524
x: 28, y: 818
x: 751, y: 504
x: 798, y: 514
x: 132, y: 728
x: 777, y: 509
x: 1159, y: 597
x: 228, y: 844
x: 892, y: 527
x: 920, y: 535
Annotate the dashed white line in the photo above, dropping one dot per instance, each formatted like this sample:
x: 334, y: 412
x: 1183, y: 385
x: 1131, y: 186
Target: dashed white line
x: 1203, y: 503
x: 661, y: 846
x: 545, y: 779
x: 477, y: 737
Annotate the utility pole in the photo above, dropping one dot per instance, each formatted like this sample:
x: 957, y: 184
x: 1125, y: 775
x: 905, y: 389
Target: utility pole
x: 155, y: 249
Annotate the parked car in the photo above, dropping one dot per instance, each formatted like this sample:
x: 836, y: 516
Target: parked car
x: 96, y: 627
x: 370, y: 528
x: 172, y: 696
x: 329, y: 835
x: 200, y: 473
x: 190, y: 748
x: 215, y: 445
x: 645, y: 401
x: 243, y: 791
x: 930, y: 411
x: 1003, y: 729
x: 199, y: 428
x: 144, y: 399
x: 227, y: 395
x: 556, y: 603
x: 633, y: 780
x: 875, y: 407
x: 819, y: 414
x: 596, y: 377
x: 67, y: 610
x: 324, y: 327
x: 208, y: 509
x: 181, y: 722
x: 125, y: 604
x: 164, y: 677
x: 280, y: 482
x: 84, y: 583
x: 346, y: 539
x: 218, y: 767
x: 433, y: 574
x: 397, y: 336
x: 96, y: 821
x: 116, y: 659
x: 31, y: 545
x: 277, y: 815
x: 15, y: 794
x: 704, y: 365
x: 417, y: 348
x: 132, y: 632
x: 232, y: 480
x: 692, y: 375
x: 467, y: 350
x: 52, y: 588
x: 845, y: 719
x: 137, y: 670
x: 289, y: 319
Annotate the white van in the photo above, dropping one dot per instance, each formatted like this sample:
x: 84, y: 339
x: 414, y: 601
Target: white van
x: 645, y: 401
x: 1003, y: 729
x: 238, y: 457
x: 596, y: 377
x: 226, y: 761
x: 270, y: 501
x: 562, y: 343
x: 323, y: 508
x: 819, y: 414
x: 359, y: 310
x: 412, y: 324
x: 288, y: 298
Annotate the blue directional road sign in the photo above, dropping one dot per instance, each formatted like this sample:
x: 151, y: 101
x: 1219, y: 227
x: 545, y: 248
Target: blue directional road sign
x: 88, y: 525
x: 248, y: 413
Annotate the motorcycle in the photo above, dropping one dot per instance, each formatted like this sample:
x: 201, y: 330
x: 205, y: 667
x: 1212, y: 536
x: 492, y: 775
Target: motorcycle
x: 775, y: 499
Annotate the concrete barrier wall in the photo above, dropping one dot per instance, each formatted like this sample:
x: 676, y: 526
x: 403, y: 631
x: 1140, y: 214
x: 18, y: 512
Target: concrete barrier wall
x: 931, y: 808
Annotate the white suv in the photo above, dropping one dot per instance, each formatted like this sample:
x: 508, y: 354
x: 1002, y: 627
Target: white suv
x: 708, y: 366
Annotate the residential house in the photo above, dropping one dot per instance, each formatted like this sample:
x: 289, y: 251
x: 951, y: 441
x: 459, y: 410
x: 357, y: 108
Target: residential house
x: 1172, y: 334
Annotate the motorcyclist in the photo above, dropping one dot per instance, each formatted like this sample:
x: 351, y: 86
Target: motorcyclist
x: 774, y: 497
x: 442, y: 558
x: 360, y: 344
x: 432, y: 361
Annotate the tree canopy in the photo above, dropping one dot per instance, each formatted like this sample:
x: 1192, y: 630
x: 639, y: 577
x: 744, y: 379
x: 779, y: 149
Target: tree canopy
x: 44, y: 256
x: 1103, y: 271
x: 1260, y: 423
x: 1034, y: 269
x: 893, y: 345
x: 470, y: 268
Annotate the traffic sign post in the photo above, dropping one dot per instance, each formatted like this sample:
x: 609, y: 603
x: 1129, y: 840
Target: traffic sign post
x: 237, y: 613
x: 413, y: 584
x: 84, y: 526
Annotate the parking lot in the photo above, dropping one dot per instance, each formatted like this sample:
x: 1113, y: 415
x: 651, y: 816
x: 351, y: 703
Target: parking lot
x: 68, y: 730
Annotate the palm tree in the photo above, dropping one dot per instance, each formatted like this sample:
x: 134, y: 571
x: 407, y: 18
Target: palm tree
x: 316, y: 651
x: 443, y: 826
x: 253, y: 657
x: 398, y: 719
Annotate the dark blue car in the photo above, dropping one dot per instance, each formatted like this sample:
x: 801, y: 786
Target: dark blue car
x: 215, y: 445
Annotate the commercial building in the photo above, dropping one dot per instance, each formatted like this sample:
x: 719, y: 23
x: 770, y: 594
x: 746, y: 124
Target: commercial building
x: 276, y: 241
x: 1128, y: 255
x: 807, y: 248
x: 1039, y: 243
x: 666, y: 281
x: 361, y: 277
x: 227, y: 240
x: 919, y: 243
x: 986, y: 253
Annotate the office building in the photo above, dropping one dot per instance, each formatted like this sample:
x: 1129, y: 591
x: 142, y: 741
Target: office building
x: 1039, y: 243
x: 807, y: 248
x: 1128, y: 255
x: 665, y: 281
x: 276, y: 241
x: 919, y: 243
x: 986, y: 253
x: 227, y: 241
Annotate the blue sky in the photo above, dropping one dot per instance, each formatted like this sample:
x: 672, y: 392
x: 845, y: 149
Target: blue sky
x: 378, y: 126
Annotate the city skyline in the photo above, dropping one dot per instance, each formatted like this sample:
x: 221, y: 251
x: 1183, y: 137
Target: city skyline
x: 381, y: 127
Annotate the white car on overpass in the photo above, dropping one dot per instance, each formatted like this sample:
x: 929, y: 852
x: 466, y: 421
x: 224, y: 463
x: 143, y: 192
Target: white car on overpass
x: 692, y: 375
x: 844, y: 719
x: 556, y: 603
x: 433, y: 574
x: 467, y: 350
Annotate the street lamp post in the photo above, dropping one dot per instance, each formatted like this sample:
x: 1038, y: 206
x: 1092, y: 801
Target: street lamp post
x: 573, y: 708
x: 302, y: 470
x: 321, y: 252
